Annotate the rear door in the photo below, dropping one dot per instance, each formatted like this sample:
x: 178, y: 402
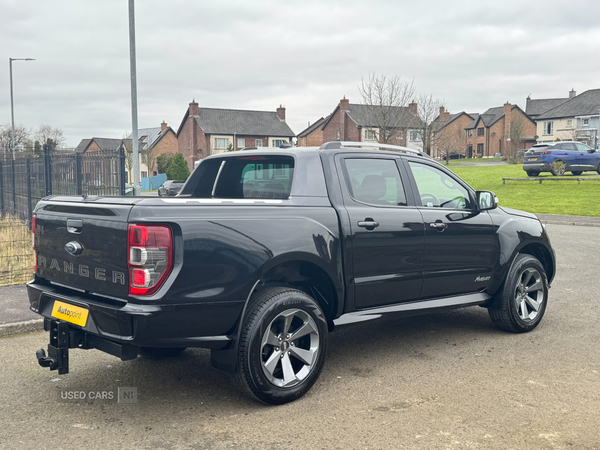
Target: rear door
x: 386, y: 234
x: 460, y: 243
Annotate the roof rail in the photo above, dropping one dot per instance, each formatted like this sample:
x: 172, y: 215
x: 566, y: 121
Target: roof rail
x: 344, y: 144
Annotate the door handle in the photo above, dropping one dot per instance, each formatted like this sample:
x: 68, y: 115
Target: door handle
x: 438, y: 225
x: 368, y: 223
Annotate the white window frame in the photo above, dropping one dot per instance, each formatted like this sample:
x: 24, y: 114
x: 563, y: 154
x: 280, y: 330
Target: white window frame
x: 241, y: 142
x: 258, y: 142
x: 585, y: 122
x: 548, y: 128
x: 415, y: 135
x: 220, y: 140
x: 370, y: 134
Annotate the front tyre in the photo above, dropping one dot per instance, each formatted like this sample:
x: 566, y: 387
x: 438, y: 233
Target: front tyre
x: 282, y: 346
x: 520, y: 305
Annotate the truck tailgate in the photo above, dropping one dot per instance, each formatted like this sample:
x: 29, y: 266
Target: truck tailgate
x: 83, y: 245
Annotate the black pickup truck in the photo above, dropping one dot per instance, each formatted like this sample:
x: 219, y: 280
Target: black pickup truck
x: 265, y: 251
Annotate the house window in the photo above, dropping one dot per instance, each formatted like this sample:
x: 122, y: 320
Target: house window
x: 469, y: 133
x: 480, y: 149
x: 370, y: 135
x: 548, y: 128
x: 241, y: 143
x: 415, y: 135
x: 480, y: 131
x: 258, y: 143
x: 144, y: 174
x: 279, y: 142
x: 586, y: 122
x: 569, y: 123
x: 221, y: 143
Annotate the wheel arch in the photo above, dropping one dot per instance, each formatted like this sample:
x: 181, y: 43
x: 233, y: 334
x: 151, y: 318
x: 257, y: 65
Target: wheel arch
x: 543, y: 255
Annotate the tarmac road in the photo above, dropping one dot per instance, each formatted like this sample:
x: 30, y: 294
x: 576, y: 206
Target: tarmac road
x: 441, y: 381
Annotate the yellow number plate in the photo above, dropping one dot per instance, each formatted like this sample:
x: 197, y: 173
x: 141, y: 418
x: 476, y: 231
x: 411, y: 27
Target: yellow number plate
x: 70, y: 313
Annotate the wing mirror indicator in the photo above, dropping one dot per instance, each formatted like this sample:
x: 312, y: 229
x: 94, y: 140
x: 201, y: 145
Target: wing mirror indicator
x: 486, y: 200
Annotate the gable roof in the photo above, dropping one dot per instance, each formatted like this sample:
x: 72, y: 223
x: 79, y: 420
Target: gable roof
x: 313, y: 127
x: 491, y: 116
x: 362, y: 115
x: 102, y: 143
x: 583, y: 104
x: 437, y: 126
x: 535, y: 107
x: 241, y: 122
x: 149, y: 137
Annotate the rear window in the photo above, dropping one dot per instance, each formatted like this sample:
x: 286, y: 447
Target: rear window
x: 251, y: 177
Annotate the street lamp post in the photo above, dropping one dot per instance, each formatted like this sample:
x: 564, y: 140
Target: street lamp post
x: 12, y: 107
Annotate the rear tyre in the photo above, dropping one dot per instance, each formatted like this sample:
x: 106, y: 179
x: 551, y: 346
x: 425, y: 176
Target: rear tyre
x: 532, y: 173
x: 558, y: 168
x: 576, y: 172
x: 520, y: 305
x: 160, y: 353
x: 282, y: 346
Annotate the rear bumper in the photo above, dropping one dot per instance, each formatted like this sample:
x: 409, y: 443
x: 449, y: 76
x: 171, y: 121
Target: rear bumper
x: 209, y: 325
x: 536, y: 166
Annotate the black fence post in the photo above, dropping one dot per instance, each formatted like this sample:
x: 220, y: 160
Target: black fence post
x: 48, y: 170
x: 1, y: 188
x: 78, y: 174
x: 14, y: 187
x: 29, y: 199
x: 121, y: 170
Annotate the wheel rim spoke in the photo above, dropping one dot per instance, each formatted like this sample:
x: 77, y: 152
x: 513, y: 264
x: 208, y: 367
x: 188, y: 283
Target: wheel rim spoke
x: 289, y: 376
x: 306, y: 356
x: 271, y: 363
x: 302, y: 331
x: 529, y: 294
x: 270, y: 339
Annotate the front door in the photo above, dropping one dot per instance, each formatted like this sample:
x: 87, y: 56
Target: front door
x: 460, y: 244
x: 386, y: 234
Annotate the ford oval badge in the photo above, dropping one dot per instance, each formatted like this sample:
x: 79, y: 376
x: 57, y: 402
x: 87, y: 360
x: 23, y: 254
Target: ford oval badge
x: 73, y: 248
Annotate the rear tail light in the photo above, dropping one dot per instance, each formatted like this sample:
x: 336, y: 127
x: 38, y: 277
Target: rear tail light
x: 33, y: 242
x: 545, y: 152
x: 150, y: 257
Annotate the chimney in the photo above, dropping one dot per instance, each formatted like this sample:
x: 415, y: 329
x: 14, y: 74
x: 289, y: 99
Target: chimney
x: 194, y: 110
x: 444, y: 115
x: 281, y: 113
x: 507, y: 118
x: 344, y: 104
x: 412, y: 107
x: 163, y: 126
x: 572, y: 94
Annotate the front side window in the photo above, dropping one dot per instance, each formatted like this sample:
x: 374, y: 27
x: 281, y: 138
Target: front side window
x: 374, y: 181
x: 548, y: 128
x: 437, y: 189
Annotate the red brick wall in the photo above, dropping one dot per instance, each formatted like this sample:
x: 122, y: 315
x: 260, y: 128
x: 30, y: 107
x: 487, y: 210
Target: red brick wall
x: 192, y: 142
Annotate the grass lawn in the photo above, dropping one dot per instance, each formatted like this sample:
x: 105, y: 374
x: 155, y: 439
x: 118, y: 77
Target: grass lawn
x: 553, y: 197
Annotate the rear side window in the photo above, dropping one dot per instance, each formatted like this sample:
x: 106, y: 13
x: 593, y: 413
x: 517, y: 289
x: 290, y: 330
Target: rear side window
x: 375, y: 181
x: 250, y: 177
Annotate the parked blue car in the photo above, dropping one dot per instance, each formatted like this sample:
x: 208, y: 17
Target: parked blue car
x: 577, y: 158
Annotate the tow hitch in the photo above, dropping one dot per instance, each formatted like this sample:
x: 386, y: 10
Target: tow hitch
x: 58, y: 349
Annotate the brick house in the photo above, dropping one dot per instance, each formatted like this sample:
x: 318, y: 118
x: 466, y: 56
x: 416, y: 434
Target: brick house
x: 313, y: 135
x: 358, y: 123
x: 489, y: 133
x: 574, y: 120
x: 449, y: 135
x: 155, y: 141
x: 206, y: 131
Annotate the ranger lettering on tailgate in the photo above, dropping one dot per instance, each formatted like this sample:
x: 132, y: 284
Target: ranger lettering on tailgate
x: 81, y: 270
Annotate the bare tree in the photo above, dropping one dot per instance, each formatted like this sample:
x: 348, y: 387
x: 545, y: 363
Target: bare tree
x: 448, y: 141
x: 23, y: 141
x: 46, y: 135
x: 428, y: 109
x: 385, y: 99
x: 128, y: 154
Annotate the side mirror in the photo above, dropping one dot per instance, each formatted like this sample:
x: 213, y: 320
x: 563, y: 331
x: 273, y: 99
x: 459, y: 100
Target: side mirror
x: 486, y: 200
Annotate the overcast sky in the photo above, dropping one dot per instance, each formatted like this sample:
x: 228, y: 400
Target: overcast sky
x: 305, y: 55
